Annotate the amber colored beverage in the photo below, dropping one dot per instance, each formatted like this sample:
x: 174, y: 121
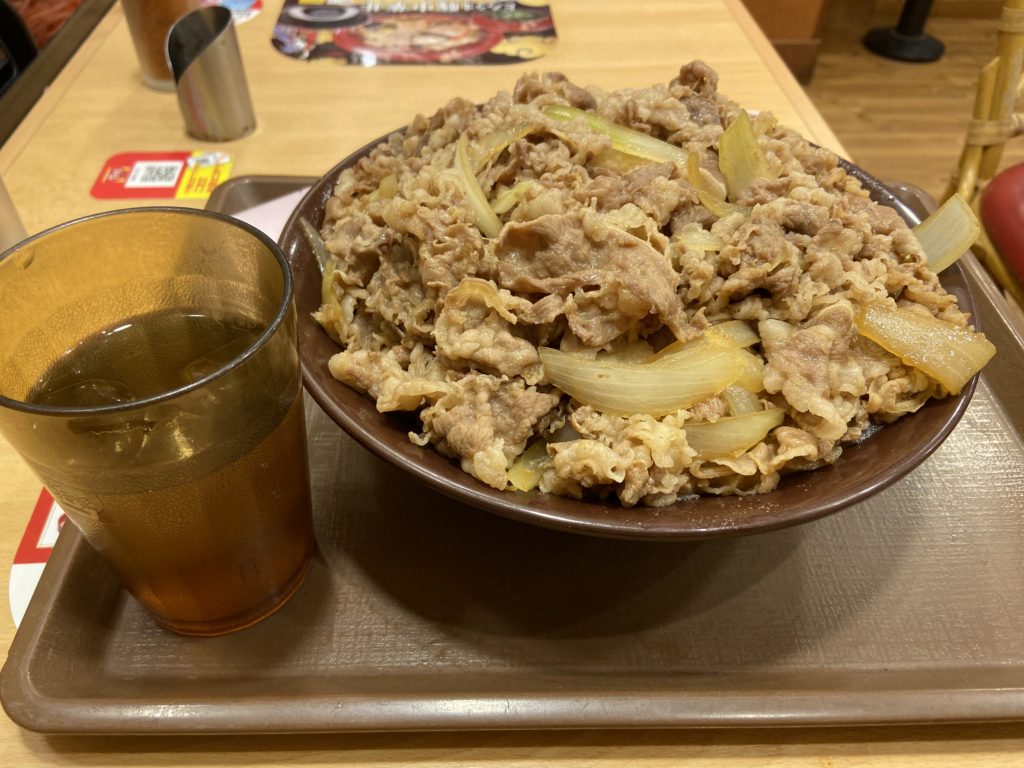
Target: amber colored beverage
x: 149, y: 376
x: 149, y: 21
x: 206, y: 522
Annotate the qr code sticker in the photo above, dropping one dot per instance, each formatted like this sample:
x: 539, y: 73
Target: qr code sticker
x: 155, y: 174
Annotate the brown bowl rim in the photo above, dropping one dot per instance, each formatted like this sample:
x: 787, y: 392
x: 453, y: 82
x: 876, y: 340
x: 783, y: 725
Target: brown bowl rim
x: 801, y: 497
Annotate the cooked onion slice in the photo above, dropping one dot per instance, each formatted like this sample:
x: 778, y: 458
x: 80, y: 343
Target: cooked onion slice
x: 700, y: 240
x: 490, y: 146
x: 324, y: 259
x: 619, y: 162
x: 947, y: 353
x: 739, y: 332
x: 633, y: 352
x: 529, y: 466
x: 623, y: 139
x: 740, y: 158
x: 753, y: 376
x: 732, y: 435
x: 948, y: 233
x: 486, y: 218
x: 741, y: 400
x: 509, y: 198
x: 656, y: 388
x: 736, y: 333
x: 709, y: 197
x: 386, y: 189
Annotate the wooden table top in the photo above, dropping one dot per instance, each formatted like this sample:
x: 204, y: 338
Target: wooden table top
x: 310, y: 115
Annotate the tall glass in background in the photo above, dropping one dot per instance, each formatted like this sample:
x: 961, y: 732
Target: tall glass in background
x: 149, y: 375
x: 149, y: 21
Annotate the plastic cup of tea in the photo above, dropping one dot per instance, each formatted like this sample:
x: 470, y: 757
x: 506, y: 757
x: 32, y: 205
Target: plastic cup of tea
x: 149, y: 376
x: 149, y: 21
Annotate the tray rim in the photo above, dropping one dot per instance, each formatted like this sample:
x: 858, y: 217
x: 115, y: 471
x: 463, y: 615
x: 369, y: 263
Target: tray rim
x: 566, y: 708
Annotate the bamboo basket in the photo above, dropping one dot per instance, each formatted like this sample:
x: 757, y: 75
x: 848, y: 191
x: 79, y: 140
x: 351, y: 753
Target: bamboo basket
x: 994, y: 122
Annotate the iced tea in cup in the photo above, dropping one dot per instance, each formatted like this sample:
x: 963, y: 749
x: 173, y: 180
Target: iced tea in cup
x: 149, y: 376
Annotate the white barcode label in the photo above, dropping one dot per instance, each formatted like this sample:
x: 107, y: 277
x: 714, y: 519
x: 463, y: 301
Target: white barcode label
x: 155, y: 174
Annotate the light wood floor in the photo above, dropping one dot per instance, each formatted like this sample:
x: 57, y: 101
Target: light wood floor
x: 902, y: 121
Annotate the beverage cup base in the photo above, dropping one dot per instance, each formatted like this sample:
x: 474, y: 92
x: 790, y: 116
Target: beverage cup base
x: 166, y: 86
x: 244, y: 620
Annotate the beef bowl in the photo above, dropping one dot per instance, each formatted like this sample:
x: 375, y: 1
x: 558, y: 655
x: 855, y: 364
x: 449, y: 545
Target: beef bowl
x: 879, y: 456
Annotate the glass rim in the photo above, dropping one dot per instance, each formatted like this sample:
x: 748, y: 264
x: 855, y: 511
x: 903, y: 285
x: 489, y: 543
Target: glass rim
x: 236, y: 362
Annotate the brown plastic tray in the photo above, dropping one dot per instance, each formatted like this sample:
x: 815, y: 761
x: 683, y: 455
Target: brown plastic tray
x: 423, y: 614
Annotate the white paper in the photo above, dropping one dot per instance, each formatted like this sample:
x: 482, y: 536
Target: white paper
x: 270, y: 217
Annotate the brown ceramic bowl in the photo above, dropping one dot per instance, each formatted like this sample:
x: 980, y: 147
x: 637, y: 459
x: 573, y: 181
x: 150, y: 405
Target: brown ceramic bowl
x: 863, y: 470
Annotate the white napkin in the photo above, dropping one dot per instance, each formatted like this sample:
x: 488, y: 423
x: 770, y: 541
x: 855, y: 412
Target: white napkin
x: 270, y: 217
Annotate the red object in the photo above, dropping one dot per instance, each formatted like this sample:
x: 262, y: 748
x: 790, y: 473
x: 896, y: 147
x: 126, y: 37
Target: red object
x: 44, y: 18
x: 116, y: 178
x: 186, y: 175
x: 33, y: 547
x: 1002, y: 216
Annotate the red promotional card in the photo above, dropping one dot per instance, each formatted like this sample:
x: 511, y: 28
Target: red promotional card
x: 168, y: 175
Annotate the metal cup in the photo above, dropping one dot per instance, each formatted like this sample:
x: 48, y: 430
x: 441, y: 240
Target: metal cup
x: 213, y: 94
x: 149, y: 376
